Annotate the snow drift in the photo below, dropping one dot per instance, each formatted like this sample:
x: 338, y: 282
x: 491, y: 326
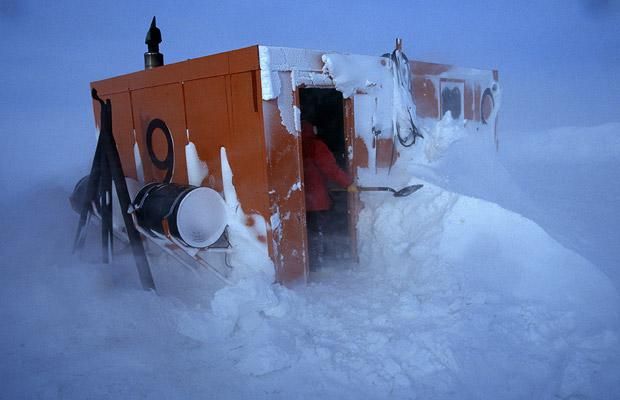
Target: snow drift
x: 455, y: 297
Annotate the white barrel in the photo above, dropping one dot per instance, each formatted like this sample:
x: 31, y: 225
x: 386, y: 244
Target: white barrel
x: 201, y: 217
x: 194, y: 215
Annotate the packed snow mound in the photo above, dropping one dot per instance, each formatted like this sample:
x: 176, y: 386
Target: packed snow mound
x: 441, y: 136
x: 449, y: 288
x: 439, y: 236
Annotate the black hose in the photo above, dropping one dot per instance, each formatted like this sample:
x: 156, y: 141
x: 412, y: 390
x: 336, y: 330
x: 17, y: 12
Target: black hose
x: 403, y: 79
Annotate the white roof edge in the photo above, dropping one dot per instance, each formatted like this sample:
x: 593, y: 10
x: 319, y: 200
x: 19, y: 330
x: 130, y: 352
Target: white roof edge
x: 273, y: 58
x: 280, y: 58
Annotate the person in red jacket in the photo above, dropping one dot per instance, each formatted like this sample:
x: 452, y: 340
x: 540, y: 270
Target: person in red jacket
x: 319, y: 167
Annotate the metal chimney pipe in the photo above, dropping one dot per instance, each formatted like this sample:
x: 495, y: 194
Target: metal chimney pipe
x: 153, y: 58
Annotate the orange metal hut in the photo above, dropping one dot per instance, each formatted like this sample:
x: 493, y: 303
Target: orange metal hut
x: 250, y: 100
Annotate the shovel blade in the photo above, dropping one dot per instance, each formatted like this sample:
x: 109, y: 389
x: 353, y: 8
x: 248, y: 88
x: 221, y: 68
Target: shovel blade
x: 407, y: 190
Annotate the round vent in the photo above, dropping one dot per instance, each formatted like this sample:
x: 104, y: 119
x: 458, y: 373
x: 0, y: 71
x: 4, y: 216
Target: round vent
x: 486, y: 106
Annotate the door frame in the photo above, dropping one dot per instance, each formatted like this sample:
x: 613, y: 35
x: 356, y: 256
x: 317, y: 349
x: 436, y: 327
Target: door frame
x: 353, y: 198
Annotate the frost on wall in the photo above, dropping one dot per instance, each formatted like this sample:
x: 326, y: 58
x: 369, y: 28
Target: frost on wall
x: 282, y: 71
x: 250, y: 257
x: 275, y: 59
x: 369, y: 80
x: 270, y: 82
x: 285, y: 103
x: 311, y: 79
x: 358, y: 74
x: 197, y: 170
x: 383, y: 85
x: 137, y: 159
x: 384, y: 106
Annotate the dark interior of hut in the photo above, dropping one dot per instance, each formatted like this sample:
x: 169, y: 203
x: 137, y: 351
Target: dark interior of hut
x: 324, y: 109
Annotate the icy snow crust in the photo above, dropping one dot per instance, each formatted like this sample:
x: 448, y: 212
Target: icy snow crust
x: 454, y: 298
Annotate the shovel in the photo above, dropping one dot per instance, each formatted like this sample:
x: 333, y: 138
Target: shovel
x: 406, y: 191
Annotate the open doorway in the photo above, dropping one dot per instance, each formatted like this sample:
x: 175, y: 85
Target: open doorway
x: 329, y: 239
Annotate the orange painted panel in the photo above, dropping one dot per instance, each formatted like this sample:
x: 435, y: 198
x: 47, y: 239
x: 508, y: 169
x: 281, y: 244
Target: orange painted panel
x: 477, y: 102
x: 353, y: 199
x: 122, y: 127
x: 425, y: 95
x: 285, y: 170
x: 243, y: 60
x: 167, y: 74
x: 208, y: 123
x: 246, y: 145
x: 206, y: 67
x: 112, y: 85
x: 165, y: 103
x: 468, y: 101
x: 360, y: 152
x: 385, y: 152
x: 235, y: 61
x: 426, y: 68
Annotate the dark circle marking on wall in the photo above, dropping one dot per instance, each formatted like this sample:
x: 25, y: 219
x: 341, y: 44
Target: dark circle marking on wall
x: 166, y: 164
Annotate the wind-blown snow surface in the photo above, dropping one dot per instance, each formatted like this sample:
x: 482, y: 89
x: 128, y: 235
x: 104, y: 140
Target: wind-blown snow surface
x: 577, y: 198
x: 456, y: 298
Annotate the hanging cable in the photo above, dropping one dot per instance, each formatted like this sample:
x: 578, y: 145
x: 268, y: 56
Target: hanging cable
x: 402, y: 81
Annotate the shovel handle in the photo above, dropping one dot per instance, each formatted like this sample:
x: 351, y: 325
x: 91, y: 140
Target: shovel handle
x: 404, y: 192
x: 366, y: 189
x: 375, y: 189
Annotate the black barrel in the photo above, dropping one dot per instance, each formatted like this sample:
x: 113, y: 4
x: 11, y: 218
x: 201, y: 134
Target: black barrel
x: 78, y: 196
x: 196, y: 216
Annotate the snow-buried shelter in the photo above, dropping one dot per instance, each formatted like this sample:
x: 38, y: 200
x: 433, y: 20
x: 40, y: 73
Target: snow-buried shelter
x: 250, y: 101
